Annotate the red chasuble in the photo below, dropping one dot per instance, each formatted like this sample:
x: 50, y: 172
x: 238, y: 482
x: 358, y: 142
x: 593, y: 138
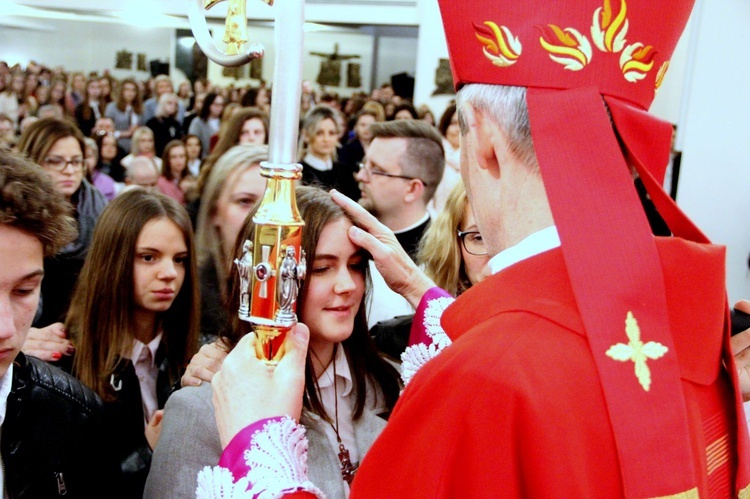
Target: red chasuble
x: 515, y: 408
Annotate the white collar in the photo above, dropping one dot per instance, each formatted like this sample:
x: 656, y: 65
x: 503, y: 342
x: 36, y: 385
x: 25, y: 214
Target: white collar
x: 318, y: 163
x: 138, y: 347
x: 419, y: 222
x: 342, y: 371
x: 5, y: 385
x: 532, y: 245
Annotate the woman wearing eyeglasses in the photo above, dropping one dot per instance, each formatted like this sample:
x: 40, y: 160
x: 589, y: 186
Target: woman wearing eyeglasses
x: 452, y: 254
x: 457, y: 265
x: 58, y: 148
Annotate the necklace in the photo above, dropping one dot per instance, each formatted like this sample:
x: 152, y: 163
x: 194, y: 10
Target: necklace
x: 348, y: 469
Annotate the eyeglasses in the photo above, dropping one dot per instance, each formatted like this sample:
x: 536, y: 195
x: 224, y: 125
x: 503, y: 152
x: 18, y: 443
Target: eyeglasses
x: 369, y: 172
x: 59, y: 164
x: 473, y: 242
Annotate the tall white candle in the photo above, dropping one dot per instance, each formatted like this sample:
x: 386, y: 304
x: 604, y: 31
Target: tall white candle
x: 287, y: 80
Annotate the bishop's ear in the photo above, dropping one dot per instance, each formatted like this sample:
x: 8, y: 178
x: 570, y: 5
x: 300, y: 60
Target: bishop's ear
x: 479, y: 133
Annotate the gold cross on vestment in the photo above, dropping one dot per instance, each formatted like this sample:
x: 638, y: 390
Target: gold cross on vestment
x: 235, y: 35
x: 637, y: 351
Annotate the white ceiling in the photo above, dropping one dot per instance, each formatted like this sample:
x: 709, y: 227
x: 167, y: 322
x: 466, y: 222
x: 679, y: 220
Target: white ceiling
x: 174, y: 12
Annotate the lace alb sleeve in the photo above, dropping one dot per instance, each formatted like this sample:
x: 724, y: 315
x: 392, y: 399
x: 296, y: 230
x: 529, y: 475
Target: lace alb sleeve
x: 274, y: 464
x: 427, y: 329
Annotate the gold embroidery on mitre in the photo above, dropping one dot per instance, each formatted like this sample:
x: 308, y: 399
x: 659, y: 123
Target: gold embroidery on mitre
x: 637, y: 351
x: 608, y: 33
x: 660, y: 75
x: 744, y: 493
x: 689, y: 494
x: 636, y: 61
x: 566, y: 46
x: 498, y: 44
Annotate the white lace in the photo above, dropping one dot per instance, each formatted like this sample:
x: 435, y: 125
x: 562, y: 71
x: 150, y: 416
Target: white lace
x: 416, y: 356
x: 277, y: 459
x: 432, y: 314
x: 218, y: 483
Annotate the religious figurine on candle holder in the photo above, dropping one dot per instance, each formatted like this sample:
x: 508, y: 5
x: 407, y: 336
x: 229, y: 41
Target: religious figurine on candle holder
x: 244, y: 267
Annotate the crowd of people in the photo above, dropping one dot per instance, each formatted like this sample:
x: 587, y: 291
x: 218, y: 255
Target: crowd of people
x: 161, y: 187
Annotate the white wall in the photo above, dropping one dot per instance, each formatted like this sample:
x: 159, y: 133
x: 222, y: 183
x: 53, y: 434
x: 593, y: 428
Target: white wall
x: 431, y: 47
x: 395, y: 55
x: 714, y: 186
x: 83, y: 46
x: 667, y: 102
x: 322, y: 42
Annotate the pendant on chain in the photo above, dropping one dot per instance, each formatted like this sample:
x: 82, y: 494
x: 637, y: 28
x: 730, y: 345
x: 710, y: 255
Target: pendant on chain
x: 348, y: 470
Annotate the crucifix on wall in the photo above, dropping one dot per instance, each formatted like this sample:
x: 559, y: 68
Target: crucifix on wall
x: 330, y: 67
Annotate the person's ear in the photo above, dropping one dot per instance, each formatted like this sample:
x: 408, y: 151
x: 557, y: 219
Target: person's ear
x: 477, y: 135
x: 415, y: 191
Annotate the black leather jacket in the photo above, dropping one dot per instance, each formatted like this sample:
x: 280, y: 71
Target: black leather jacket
x: 52, y: 440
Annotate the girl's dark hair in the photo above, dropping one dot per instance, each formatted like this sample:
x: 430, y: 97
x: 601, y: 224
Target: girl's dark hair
x: 100, y: 317
x: 318, y: 210
x: 87, y: 112
x: 445, y: 119
x: 405, y: 106
x: 166, y: 169
x: 229, y: 137
x: 137, y: 103
x: 206, y: 108
x: 192, y: 135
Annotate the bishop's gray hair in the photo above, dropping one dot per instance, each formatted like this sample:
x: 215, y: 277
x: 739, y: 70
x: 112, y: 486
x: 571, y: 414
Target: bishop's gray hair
x: 506, y: 105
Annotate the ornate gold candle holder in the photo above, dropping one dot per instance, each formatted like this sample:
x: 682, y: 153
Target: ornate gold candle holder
x: 271, y: 276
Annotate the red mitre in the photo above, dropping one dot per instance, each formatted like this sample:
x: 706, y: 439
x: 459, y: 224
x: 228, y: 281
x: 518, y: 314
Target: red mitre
x: 574, y: 55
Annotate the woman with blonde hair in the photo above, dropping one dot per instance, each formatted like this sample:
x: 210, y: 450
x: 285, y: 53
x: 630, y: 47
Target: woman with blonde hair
x: 142, y: 145
x: 457, y: 265
x: 164, y: 124
x: 232, y: 190
x: 452, y: 254
x: 317, y: 152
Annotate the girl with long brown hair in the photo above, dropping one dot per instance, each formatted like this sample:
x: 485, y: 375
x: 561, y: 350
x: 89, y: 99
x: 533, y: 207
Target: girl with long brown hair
x: 350, y: 388
x: 92, y: 107
x: 134, y: 318
x: 126, y: 112
x: 175, y: 180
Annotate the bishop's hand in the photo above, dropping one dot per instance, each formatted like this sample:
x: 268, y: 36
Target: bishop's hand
x: 398, y: 269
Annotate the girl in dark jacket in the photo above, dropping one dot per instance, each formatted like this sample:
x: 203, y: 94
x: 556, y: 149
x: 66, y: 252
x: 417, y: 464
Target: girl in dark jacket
x: 134, y: 318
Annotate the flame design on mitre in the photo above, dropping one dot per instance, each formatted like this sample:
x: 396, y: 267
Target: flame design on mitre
x: 636, y: 61
x: 607, y: 32
x: 499, y: 44
x: 566, y: 46
x: 660, y: 75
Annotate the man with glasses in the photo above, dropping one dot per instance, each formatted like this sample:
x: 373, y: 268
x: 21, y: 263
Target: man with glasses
x: 403, y: 167
x: 399, y: 175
